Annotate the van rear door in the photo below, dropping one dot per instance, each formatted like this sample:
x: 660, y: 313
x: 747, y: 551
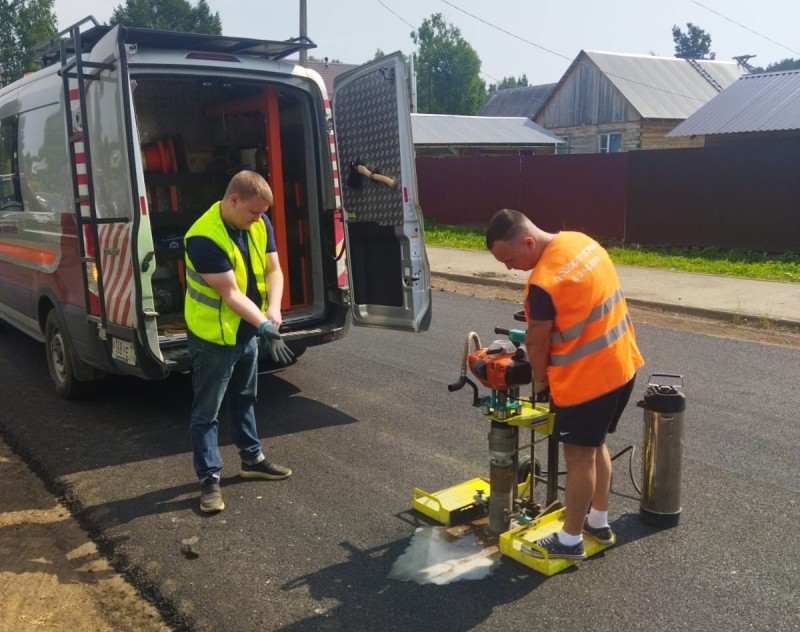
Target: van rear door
x: 387, y: 265
x: 115, y: 186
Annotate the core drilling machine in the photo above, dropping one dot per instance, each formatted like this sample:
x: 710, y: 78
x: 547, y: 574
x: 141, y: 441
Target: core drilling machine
x: 504, y: 506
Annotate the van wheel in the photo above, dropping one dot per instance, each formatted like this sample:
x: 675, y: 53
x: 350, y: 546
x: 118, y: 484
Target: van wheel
x: 60, y: 360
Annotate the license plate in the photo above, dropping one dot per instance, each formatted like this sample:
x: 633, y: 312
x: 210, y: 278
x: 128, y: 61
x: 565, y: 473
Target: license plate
x: 123, y: 350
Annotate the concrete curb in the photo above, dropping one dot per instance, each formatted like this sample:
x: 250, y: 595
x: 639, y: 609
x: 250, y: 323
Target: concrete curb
x: 714, y: 314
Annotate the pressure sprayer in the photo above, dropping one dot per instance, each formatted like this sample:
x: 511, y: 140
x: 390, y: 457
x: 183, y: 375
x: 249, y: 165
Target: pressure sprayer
x: 662, y: 450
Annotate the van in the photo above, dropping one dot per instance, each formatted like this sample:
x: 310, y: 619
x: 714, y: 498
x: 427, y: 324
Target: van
x: 126, y: 136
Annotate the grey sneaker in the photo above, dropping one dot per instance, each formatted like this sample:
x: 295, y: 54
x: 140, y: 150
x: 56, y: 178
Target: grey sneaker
x: 210, y: 496
x: 556, y: 550
x: 603, y: 535
x: 265, y: 469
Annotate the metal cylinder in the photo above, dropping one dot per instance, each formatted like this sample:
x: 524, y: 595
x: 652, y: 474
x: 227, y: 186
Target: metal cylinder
x: 502, y: 474
x: 662, y: 452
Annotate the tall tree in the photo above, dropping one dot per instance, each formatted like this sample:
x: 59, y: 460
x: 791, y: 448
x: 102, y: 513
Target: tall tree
x: 168, y: 15
x: 23, y: 25
x: 448, y: 69
x: 695, y: 43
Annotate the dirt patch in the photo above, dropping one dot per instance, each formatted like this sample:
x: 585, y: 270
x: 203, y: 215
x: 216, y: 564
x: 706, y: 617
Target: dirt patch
x: 52, y: 576
x: 761, y: 331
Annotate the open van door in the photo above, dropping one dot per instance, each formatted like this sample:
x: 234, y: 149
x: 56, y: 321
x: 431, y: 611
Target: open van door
x: 387, y: 265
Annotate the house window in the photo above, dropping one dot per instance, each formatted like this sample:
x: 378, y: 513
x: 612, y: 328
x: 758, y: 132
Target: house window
x: 610, y: 143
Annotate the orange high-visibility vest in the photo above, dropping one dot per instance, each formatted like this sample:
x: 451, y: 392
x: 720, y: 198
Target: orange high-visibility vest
x: 592, y: 346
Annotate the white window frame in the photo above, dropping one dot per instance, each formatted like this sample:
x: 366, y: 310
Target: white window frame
x: 604, y: 142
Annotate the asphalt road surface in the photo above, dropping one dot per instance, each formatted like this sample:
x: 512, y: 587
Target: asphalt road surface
x: 365, y: 420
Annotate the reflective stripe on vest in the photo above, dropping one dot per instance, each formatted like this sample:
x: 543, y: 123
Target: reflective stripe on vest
x: 598, y: 312
x: 207, y: 315
x: 202, y: 298
x: 592, y: 346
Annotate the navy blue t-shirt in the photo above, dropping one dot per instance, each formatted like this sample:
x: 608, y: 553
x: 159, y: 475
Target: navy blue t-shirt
x: 540, y: 304
x: 208, y: 258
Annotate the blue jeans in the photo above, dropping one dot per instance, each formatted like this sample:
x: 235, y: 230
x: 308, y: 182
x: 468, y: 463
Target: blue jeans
x: 217, y: 371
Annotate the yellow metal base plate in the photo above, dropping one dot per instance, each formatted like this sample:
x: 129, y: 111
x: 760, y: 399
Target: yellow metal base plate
x: 452, y: 505
x: 457, y: 504
x: 514, y: 543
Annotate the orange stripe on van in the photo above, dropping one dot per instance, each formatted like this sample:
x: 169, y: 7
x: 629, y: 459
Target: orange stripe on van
x: 26, y: 253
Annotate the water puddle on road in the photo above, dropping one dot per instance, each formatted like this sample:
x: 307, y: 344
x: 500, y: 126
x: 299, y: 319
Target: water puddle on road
x: 436, y: 556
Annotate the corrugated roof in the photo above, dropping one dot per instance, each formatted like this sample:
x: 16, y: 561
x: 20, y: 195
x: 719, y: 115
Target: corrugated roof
x: 755, y: 103
x: 449, y: 130
x: 665, y: 87
x: 524, y: 101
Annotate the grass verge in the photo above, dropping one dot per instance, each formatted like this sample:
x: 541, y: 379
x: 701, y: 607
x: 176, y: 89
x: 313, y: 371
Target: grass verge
x: 727, y: 262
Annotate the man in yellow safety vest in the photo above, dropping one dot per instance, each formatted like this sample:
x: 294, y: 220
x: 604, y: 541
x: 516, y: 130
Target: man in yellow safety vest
x: 234, y: 289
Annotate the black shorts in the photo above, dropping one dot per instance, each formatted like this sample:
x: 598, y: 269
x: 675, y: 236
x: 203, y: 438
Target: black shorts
x: 588, y: 423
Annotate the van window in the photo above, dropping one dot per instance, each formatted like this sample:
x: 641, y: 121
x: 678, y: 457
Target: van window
x: 43, y: 170
x: 10, y: 198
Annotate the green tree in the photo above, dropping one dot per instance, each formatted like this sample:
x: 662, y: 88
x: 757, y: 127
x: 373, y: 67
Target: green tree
x: 510, y: 82
x: 168, y: 15
x: 448, y: 69
x: 789, y: 63
x: 23, y: 25
x: 694, y: 44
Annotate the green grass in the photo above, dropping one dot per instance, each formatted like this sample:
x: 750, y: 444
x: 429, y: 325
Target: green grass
x: 727, y: 262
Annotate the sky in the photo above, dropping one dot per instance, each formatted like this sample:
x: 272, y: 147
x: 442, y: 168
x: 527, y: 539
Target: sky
x: 511, y: 37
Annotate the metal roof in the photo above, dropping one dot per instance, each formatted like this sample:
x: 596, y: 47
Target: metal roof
x: 756, y: 103
x: 449, y: 130
x: 665, y: 87
x: 524, y: 101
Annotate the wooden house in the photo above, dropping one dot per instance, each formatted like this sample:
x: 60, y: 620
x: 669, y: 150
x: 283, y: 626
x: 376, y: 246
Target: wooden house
x: 611, y: 102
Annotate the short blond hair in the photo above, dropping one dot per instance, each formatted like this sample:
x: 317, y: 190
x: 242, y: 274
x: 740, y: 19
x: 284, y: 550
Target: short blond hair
x: 247, y: 184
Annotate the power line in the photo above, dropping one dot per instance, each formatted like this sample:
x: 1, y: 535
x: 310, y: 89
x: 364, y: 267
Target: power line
x: 502, y: 30
x: 397, y: 15
x: 746, y: 28
x: 609, y: 74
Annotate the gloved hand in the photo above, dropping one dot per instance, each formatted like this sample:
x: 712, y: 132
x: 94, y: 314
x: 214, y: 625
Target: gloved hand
x: 268, y: 331
x: 279, y: 352
x: 541, y: 392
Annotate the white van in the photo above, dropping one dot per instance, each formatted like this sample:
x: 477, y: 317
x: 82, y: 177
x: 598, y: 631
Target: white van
x: 126, y: 136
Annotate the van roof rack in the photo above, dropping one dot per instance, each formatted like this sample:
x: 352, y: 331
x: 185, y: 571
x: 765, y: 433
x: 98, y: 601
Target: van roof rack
x: 172, y: 40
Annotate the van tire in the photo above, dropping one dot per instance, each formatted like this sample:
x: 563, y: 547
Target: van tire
x: 61, y: 360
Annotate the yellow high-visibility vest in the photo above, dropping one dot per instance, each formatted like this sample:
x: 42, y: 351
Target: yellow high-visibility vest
x: 207, y: 315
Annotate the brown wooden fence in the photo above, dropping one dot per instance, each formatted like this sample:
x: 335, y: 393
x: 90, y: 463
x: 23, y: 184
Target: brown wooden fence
x: 737, y: 196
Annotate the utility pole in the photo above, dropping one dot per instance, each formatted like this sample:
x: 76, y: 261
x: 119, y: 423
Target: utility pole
x: 303, y: 31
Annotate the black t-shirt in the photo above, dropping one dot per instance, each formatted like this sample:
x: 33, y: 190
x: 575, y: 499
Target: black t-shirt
x: 540, y: 304
x: 208, y: 258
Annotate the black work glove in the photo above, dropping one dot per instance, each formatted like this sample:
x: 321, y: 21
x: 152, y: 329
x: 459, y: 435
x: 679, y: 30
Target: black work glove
x: 279, y: 352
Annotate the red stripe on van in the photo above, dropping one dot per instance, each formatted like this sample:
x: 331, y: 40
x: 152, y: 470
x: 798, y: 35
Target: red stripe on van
x: 26, y: 253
